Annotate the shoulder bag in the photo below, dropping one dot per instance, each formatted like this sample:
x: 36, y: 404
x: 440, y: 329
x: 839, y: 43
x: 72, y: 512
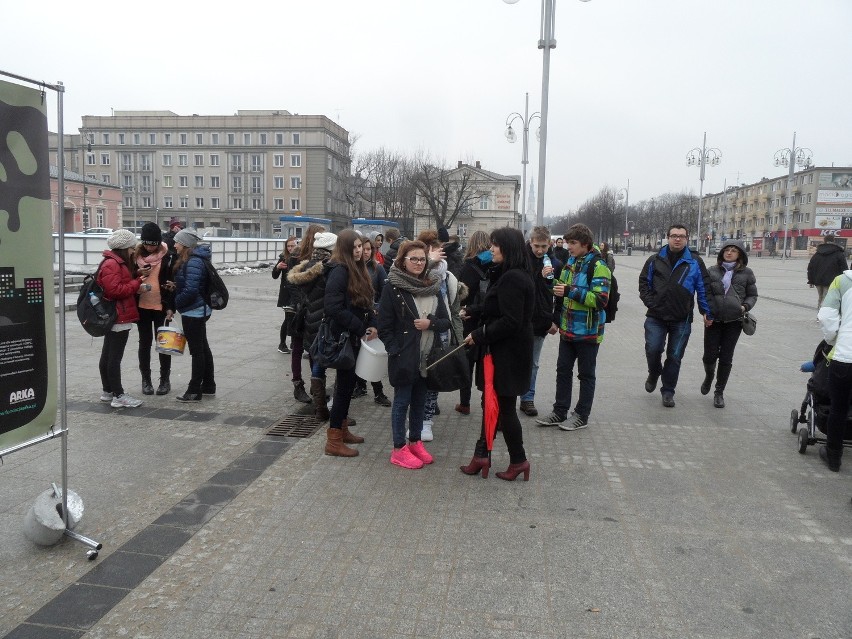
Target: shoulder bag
x: 749, y: 323
x: 331, y: 349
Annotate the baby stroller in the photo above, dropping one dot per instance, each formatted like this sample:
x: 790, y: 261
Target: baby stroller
x: 813, y: 413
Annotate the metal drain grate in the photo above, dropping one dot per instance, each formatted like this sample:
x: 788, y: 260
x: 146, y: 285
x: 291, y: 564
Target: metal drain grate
x: 295, y: 426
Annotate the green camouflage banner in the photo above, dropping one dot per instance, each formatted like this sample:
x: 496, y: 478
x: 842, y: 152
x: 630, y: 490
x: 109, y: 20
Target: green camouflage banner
x: 28, y: 381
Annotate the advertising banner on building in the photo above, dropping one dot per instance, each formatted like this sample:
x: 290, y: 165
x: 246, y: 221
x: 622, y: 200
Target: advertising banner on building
x: 834, y: 197
x: 836, y: 180
x: 28, y: 375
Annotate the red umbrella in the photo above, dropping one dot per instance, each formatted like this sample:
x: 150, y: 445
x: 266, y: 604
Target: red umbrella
x: 491, y: 408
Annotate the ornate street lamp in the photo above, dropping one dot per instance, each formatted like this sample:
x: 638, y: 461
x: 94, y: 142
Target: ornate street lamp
x: 701, y: 158
x: 526, y: 118
x: 791, y: 157
x: 624, y: 194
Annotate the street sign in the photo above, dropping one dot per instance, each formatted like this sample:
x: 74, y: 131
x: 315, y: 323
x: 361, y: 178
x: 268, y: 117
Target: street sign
x: 626, y: 234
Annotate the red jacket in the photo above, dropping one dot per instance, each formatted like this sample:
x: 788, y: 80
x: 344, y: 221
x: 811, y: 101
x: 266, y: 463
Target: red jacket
x: 120, y: 287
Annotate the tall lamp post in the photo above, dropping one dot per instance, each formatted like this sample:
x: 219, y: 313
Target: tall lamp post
x: 624, y: 194
x: 791, y: 157
x: 701, y: 157
x: 526, y: 118
x: 546, y: 42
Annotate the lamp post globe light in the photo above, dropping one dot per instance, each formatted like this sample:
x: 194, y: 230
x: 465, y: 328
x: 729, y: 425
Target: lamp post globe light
x: 624, y: 194
x: 512, y: 137
x: 791, y: 157
x: 701, y: 158
x: 546, y: 42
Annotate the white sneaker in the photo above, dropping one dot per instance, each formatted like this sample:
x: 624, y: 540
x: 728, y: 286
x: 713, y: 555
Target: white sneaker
x: 125, y: 401
x: 106, y: 397
x: 426, y: 433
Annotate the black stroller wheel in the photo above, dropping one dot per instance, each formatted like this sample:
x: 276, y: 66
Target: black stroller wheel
x: 803, y: 439
x: 794, y: 421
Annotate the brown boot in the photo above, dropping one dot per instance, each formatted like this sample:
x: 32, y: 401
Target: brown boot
x: 348, y: 436
x: 334, y: 445
x: 318, y: 394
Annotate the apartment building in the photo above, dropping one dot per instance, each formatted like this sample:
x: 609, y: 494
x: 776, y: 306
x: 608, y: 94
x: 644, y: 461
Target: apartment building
x: 817, y: 199
x: 87, y: 202
x: 239, y: 172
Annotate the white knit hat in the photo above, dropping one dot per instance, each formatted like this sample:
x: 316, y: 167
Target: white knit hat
x: 121, y: 239
x: 325, y: 240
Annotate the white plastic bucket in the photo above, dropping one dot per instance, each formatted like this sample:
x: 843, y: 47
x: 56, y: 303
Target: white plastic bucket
x: 170, y: 340
x: 372, y: 363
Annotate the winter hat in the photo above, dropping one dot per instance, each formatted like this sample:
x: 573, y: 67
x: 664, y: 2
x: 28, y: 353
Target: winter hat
x: 121, y: 239
x: 151, y: 233
x: 323, y: 240
x: 187, y: 237
x: 175, y: 222
x: 443, y: 234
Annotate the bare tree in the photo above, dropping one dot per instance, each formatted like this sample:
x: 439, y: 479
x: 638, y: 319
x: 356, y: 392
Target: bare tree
x: 445, y: 192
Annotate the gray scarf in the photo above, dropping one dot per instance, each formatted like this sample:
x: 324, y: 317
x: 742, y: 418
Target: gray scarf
x: 430, y: 285
x: 728, y: 267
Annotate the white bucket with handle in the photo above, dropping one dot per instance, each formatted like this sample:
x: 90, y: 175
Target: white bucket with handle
x: 372, y: 362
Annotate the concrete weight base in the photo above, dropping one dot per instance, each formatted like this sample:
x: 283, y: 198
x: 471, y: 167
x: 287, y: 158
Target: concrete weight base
x: 43, y: 524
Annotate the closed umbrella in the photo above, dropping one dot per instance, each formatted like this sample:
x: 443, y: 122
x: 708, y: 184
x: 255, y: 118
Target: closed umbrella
x: 491, y: 408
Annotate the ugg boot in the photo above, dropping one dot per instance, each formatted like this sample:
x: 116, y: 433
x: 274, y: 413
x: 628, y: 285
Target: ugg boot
x: 318, y: 394
x: 147, y: 386
x: 299, y: 392
x: 721, y: 381
x: 165, y: 385
x: 334, y: 444
x: 709, y: 371
x: 348, y: 436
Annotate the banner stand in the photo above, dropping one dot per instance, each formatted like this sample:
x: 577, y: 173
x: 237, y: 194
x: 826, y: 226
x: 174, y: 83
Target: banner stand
x: 94, y: 546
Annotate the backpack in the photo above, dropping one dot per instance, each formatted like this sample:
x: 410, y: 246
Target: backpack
x: 97, y: 320
x: 216, y: 293
x: 484, y: 281
x: 612, y: 304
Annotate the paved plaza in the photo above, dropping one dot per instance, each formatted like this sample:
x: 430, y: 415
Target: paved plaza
x: 691, y: 522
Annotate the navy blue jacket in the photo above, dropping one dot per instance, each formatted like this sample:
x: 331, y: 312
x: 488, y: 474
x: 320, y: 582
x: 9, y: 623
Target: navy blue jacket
x: 668, y: 292
x: 191, y: 280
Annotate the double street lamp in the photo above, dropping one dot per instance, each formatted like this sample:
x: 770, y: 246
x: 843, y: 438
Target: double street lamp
x: 526, y: 118
x: 624, y: 194
x: 701, y: 158
x: 546, y: 42
x: 791, y: 157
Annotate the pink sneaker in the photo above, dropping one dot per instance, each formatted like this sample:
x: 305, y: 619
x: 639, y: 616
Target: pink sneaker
x: 419, y: 451
x: 403, y: 457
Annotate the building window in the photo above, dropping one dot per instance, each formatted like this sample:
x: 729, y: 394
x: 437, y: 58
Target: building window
x: 462, y: 232
x: 183, y: 181
x: 105, y: 138
x: 184, y: 201
x: 121, y: 138
x: 246, y: 139
x: 152, y: 138
x: 255, y: 185
x: 237, y: 203
x: 237, y: 184
x: 137, y: 138
x: 199, y: 181
x: 294, y: 204
x: 167, y: 138
x: 214, y: 202
x: 90, y: 158
x: 295, y: 181
x: 328, y: 204
x: 128, y: 202
x: 809, y: 198
x: 278, y: 182
x: 145, y: 162
x: 100, y: 214
x: 236, y: 162
x: 278, y: 160
x: 214, y: 138
x: 183, y: 159
x: 255, y: 204
x: 167, y: 159
x: 483, y: 202
x: 146, y: 202
x: 278, y: 204
x: 146, y: 183
x: 105, y: 178
x: 167, y: 181
x: 295, y: 160
x: 330, y: 163
x: 297, y: 139
x: 199, y: 138
x: 105, y: 159
x: 183, y: 139
x: 262, y: 139
x: 199, y: 202
x: 167, y: 202
x: 256, y: 163
x: 328, y: 184
x: 214, y: 181
x: 199, y: 159
x: 214, y: 159
x: 279, y: 139
x: 232, y: 139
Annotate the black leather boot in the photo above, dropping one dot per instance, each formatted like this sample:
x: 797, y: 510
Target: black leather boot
x: 147, y: 386
x: 165, y: 385
x: 722, y: 375
x: 709, y: 372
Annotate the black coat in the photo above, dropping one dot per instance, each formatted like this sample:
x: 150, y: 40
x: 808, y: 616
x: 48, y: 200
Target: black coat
x: 827, y: 263
x: 742, y: 292
x: 285, y: 288
x: 475, y: 275
x: 308, y: 279
x: 397, y: 311
x: 338, y: 308
x: 543, y: 313
x: 506, y: 330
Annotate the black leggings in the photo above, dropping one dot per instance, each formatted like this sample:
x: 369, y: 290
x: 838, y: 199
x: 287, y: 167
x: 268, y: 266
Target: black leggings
x: 720, y: 340
x: 285, y: 329
x: 149, y: 321
x: 195, y: 329
x: 110, y: 362
x: 510, y: 426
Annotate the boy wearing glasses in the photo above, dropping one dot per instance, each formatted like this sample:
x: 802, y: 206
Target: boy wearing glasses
x: 668, y: 284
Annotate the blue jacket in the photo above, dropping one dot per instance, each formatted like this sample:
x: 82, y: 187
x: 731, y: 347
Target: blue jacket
x: 668, y: 292
x: 191, y: 280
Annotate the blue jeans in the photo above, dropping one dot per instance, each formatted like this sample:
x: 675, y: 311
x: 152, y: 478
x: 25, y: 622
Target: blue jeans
x: 431, y: 405
x: 656, y: 332
x: 586, y: 356
x: 410, y: 399
x: 538, y: 342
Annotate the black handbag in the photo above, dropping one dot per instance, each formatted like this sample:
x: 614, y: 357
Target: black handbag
x: 749, y: 323
x: 332, y: 350
x: 448, y: 368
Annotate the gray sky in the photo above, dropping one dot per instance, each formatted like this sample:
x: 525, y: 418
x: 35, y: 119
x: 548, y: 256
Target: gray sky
x: 633, y: 86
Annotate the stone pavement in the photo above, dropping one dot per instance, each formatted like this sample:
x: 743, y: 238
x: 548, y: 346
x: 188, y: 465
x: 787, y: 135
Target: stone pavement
x: 653, y: 522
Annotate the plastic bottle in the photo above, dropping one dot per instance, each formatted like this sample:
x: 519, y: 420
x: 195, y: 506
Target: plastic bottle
x: 96, y: 303
x: 547, y: 262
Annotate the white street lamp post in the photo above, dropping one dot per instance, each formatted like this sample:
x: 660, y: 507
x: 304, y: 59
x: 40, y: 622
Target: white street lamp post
x: 526, y: 118
x: 546, y: 42
x: 625, y: 194
x: 791, y: 157
x: 701, y: 157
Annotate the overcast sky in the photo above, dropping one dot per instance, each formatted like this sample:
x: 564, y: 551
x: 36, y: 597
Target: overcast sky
x: 633, y: 84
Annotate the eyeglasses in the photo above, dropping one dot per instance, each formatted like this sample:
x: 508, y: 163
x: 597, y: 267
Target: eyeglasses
x: 677, y: 236
x: 416, y: 260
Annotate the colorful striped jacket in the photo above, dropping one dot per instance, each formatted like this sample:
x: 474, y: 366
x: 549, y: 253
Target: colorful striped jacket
x: 581, y: 313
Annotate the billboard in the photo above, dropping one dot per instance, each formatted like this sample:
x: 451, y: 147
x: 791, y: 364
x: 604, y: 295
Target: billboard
x: 835, y: 180
x: 28, y: 380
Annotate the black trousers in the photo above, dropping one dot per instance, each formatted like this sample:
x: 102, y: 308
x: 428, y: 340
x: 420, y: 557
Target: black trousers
x: 840, y: 391
x: 720, y: 340
x: 149, y: 321
x: 195, y: 329
x: 344, y: 384
x: 510, y: 426
x: 110, y: 362
x: 285, y: 329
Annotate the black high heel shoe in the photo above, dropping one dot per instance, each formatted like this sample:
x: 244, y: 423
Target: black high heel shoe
x: 512, y: 472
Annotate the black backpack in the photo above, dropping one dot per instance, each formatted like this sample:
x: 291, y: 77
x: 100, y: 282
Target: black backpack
x: 96, y: 319
x: 612, y: 304
x: 216, y: 294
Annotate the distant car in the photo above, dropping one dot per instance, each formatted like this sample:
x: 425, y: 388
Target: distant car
x: 98, y: 230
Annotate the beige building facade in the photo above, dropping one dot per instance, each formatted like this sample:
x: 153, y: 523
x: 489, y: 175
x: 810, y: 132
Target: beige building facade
x: 238, y: 173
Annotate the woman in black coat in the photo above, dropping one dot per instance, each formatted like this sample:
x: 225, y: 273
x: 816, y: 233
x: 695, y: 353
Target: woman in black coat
x: 285, y: 261
x: 505, y: 331
x: 377, y: 278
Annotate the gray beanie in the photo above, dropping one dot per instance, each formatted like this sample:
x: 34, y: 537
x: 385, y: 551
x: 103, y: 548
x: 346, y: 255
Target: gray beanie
x: 187, y: 237
x: 121, y: 239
